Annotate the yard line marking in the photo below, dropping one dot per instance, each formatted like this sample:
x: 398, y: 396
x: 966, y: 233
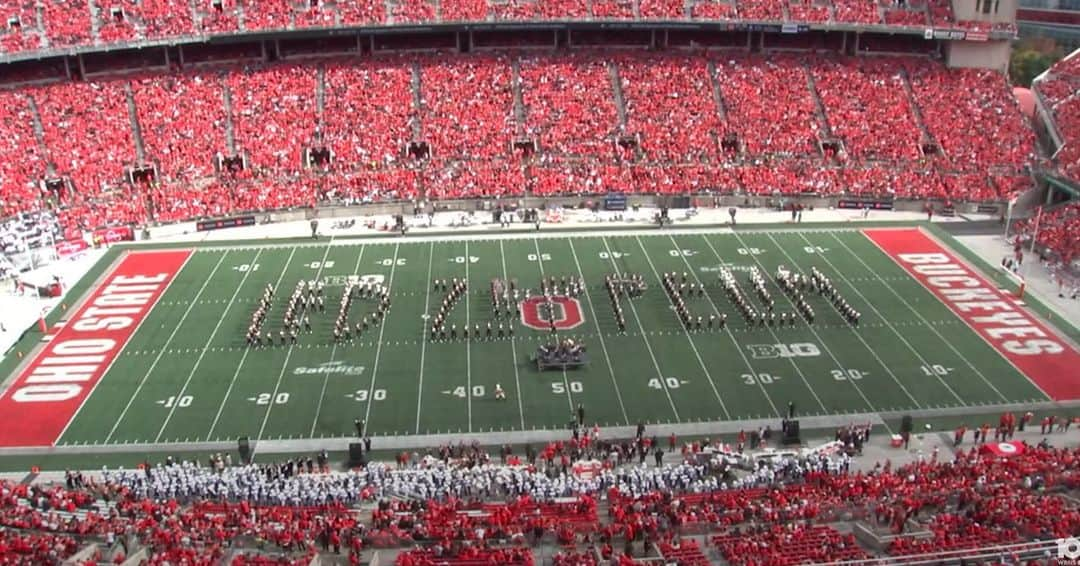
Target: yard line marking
x: 423, y: 332
x: 818, y: 336
x: 873, y: 352
x: 333, y: 353
x: 243, y: 358
x: 933, y: 328
x: 693, y: 346
x: 142, y: 382
x: 648, y: 346
x: 888, y: 324
x: 134, y: 332
x: 566, y: 382
x: 285, y: 364
x: 468, y: 341
x: 202, y: 354
x: 738, y: 347
x: 599, y: 333
x: 772, y: 332
x: 378, y: 348
x: 513, y: 346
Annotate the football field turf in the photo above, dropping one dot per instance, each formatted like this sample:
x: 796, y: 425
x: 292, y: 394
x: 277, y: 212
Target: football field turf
x: 186, y: 375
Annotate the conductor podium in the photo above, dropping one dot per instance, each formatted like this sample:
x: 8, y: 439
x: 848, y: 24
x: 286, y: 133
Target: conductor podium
x: 561, y: 355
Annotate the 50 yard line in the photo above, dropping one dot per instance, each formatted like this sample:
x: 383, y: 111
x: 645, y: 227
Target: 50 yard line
x: 566, y: 382
x: 164, y: 348
x: 247, y: 350
x: 202, y: 353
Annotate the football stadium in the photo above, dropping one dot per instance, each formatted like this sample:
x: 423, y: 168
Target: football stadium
x: 538, y: 282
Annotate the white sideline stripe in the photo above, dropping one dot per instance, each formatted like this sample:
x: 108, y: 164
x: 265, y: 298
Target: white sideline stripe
x: 285, y: 364
x: 888, y: 323
x: 133, y: 333
x: 931, y: 326
x: 423, y: 335
x: 772, y: 332
x: 689, y: 339
x: 513, y: 348
x: 142, y: 382
x: 378, y: 348
x: 333, y: 353
x: 599, y: 333
x: 202, y: 354
x: 247, y: 350
x: 644, y: 336
x: 873, y: 352
x: 566, y: 382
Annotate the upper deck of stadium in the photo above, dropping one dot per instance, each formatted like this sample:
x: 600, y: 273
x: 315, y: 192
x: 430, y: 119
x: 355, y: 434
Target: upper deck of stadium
x: 35, y: 28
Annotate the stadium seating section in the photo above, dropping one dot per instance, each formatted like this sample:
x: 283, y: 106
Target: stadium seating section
x: 1058, y: 91
x: 408, y: 126
x: 43, y: 24
x: 1058, y: 231
x: 976, y: 501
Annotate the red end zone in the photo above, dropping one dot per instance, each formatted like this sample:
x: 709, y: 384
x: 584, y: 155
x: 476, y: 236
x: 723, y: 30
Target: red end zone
x: 46, y: 395
x: 1051, y: 363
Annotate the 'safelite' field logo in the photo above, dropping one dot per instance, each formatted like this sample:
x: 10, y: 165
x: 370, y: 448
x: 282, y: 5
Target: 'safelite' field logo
x: 563, y: 312
x: 330, y: 368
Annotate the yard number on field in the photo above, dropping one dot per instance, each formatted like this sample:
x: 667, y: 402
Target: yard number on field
x: 388, y: 262
x: 362, y: 395
x: 670, y: 382
x: 245, y: 267
x: 462, y: 259
x: 759, y: 379
x: 751, y: 251
x: 559, y: 388
x: 682, y: 253
x: 613, y: 255
x: 815, y: 249
x: 462, y: 392
x: 848, y: 374
x: 265, y: 398
x: 321, y: 265
x: 541, y: 257
x: 173, y: 401
x: 933, y: 370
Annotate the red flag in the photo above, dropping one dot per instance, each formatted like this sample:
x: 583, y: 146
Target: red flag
x: 1004, y: 449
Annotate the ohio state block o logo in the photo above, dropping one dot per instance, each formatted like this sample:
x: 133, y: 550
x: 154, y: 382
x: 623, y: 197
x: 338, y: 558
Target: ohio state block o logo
x: 564, y: 312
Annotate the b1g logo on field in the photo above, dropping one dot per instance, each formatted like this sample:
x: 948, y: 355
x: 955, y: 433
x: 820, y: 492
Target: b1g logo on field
x: 799, y: 350
x: 541, y: 314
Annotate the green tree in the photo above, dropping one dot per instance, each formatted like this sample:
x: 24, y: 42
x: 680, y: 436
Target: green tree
x: 1030, y: 58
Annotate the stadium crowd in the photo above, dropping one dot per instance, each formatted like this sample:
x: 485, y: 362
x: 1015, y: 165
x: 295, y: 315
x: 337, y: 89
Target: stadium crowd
x: 404, y: 127
x: 1057, y: 89
x: 78, y: 23
x: 777, y: 510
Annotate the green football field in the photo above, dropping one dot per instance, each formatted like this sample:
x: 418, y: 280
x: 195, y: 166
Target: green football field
x: 187, y: 376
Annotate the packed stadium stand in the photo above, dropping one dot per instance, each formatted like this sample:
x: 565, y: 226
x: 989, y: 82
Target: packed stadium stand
x: 51, y: 24
x: 793, y: 510
x: 407, y: 126
x: 1058, y: 89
